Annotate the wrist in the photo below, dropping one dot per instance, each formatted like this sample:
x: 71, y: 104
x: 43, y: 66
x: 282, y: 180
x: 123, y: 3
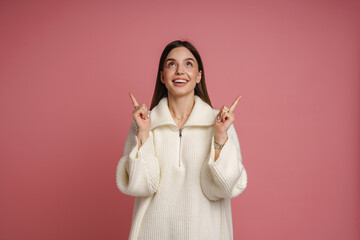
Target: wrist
x: 142, y: 136
x: 221, y: 138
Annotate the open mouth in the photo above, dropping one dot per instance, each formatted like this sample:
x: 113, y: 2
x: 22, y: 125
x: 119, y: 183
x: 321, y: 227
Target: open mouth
x: 180, y: 82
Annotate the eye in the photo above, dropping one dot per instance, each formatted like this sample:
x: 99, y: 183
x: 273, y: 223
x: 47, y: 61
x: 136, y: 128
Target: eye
x: 189, y: 64
x: 170, y: 64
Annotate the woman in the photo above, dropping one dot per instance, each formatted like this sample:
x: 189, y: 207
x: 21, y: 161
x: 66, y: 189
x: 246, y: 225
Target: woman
x: 182, y: 159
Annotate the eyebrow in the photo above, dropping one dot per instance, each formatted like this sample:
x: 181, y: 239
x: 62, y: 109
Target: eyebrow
x: 172, y: 59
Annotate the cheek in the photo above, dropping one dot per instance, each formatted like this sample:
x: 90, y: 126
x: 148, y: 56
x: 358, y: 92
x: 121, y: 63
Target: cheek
x: 194, y: 74
x: 166, y: 75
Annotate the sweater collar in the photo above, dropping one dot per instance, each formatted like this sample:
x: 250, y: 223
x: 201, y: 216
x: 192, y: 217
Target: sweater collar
x: 201, y: 115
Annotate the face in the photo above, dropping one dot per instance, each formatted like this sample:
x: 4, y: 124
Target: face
x: 180, y: 72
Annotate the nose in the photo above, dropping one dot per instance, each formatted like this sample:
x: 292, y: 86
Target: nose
x: 179, y: 69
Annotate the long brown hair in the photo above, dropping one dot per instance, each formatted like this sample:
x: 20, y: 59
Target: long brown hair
x: 160, y: 90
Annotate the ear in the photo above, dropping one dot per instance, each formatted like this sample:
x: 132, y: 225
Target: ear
x: 198, y: 79
x: 161, y: 77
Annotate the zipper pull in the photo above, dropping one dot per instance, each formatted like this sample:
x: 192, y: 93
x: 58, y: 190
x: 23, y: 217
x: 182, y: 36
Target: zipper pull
x: 180, y: 130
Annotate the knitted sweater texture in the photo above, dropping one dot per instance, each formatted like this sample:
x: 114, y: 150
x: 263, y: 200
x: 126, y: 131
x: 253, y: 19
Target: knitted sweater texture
x: 181, y: 192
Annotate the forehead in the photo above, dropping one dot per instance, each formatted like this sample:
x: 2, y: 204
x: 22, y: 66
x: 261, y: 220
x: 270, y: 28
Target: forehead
x: 180, y: 53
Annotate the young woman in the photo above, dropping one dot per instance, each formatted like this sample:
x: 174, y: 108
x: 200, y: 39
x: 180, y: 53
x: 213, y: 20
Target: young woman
x: 182, y: 159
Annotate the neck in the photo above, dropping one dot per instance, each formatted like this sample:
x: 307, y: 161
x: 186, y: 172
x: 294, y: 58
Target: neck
x: 180, y: 107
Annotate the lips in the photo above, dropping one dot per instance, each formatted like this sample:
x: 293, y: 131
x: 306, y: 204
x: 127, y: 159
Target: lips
x: 180, y: 82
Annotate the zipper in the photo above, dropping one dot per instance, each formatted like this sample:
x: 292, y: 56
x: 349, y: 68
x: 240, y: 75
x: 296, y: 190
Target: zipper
x: 180, y: 135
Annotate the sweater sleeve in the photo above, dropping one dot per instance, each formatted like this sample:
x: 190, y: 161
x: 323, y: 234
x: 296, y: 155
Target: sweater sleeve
x: 138, y: 172
x: 226, y: 177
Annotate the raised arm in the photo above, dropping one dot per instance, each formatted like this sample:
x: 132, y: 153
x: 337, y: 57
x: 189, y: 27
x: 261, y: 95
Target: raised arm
x: 138, y: 172
x: 223, y: 175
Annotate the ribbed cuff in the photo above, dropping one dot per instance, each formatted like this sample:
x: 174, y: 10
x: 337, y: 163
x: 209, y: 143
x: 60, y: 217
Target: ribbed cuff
x: 226, y: 169
x: 145, y: 158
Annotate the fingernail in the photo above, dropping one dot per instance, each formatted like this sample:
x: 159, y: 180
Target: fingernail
x: 148, y: 115
x: 218, y: 119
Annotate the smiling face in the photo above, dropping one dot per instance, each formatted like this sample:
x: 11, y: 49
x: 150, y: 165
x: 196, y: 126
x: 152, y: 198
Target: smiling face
x: 180, y: 72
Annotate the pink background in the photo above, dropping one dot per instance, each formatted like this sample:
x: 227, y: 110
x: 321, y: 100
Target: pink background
x: 66, y: 69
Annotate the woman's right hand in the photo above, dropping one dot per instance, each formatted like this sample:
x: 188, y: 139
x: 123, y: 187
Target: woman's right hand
x: 142, y: 119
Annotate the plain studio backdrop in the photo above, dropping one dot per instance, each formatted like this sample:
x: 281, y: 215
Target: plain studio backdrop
x: 66, y: 68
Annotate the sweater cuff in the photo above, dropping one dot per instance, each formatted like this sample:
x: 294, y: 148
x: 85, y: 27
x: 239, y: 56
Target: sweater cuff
x: 226, y: 169
x: 145, y: 149
x: 227, y: 150
x: 145, y: 156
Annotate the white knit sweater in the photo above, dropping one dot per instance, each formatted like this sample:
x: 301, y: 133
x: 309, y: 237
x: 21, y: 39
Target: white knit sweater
x: 181, y: 192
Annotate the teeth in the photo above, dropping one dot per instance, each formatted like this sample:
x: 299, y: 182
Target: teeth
x: 180, y: 81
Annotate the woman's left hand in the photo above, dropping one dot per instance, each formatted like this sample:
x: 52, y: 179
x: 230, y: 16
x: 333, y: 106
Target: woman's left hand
x: 223, y: 121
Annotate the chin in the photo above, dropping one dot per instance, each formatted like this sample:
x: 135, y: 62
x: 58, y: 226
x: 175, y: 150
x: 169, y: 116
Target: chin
x: 181, y: 93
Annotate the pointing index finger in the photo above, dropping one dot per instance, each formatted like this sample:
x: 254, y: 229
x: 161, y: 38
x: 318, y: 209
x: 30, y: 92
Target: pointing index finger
x: 136, y: 104
x: 234, y: 104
